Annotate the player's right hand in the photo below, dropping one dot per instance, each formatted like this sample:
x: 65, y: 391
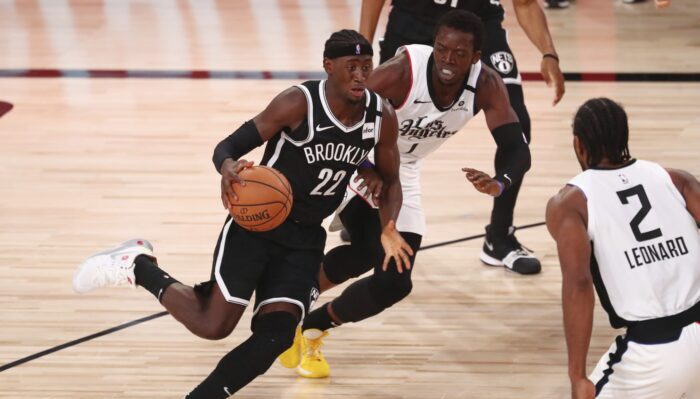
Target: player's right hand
x: 395, y: 247
x: 372, y: 181
x: 582, y: 389
x: 229, y: 176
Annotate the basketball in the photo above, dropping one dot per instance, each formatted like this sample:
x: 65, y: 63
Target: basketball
x: 264, y: 202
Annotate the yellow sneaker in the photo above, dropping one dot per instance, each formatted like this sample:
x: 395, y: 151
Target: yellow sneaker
x: 292, y: 356
x: 313, y: 364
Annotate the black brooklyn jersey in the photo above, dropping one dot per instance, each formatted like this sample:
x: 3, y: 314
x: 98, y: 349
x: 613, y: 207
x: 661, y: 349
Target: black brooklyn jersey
x: 319, y: 156
x: 429, y: 11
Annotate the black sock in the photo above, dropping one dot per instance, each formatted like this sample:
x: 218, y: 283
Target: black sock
x: 151, y: 277
x: 319, y: 319
x: 503, y: 208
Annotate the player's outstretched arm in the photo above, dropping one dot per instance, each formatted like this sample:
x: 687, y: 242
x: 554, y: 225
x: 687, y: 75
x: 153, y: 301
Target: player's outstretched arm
x: 287, y: 110
x: 512, y: 153
x: 566, y: 217
x: 532, y: 19
x: 369, y: 16
x: 386, y: 155
x: 392, y: 79
x: 689, y: 188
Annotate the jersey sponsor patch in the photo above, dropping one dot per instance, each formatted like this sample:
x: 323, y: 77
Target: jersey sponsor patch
x: 368, y: 131
x: 502, y: 61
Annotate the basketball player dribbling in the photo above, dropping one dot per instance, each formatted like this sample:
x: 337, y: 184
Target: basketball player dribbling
x: 316, y: 133
x: 436, y: 91
x: 629, y: 228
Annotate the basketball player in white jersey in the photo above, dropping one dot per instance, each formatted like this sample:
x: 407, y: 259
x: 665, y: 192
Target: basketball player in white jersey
x: 434, y: 91
x: 629, y: 227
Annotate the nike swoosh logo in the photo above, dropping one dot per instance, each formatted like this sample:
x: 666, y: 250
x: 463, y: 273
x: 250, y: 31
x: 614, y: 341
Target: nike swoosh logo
x: 421, y: 102
x: 320, y: 129
x: 509, y: 179
x: 489, y: 245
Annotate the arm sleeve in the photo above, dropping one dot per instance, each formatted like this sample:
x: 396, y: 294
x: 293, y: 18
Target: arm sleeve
x: 512, y: 153
x: 245, y: 139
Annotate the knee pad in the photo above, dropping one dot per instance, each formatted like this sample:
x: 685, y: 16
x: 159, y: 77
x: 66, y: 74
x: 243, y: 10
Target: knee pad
x: 349, y: 261
x: 274, y: 331
x: 389, y: 289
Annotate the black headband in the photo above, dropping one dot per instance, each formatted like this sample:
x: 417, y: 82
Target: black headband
x: 348, y: 49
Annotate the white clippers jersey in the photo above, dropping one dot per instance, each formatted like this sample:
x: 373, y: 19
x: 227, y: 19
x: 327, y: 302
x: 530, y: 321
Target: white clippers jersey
x: 646, y: 247
x: 423, y: 126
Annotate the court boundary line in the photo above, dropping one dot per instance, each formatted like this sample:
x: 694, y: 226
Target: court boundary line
x: 163, y: 313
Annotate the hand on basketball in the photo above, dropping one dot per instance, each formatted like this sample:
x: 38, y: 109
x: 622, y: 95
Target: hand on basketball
x: 395, y: 247
x: 229, y: 177
x: 372, y: 181
x: 482, y: 182
x: 553, y: 77
x: 582, y: 389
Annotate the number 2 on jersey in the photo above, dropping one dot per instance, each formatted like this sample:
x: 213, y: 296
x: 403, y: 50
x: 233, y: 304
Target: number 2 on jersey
x: 326, y: 176
x: 638, y: 191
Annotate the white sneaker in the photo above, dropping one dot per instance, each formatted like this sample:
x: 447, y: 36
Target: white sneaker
x: 114, y: 266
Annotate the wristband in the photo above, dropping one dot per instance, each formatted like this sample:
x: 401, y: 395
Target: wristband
x: 367, y: 164
x: 551, y: 55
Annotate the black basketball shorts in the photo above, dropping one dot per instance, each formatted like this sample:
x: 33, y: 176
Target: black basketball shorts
x: 496, y: 53
x: 246, y: 262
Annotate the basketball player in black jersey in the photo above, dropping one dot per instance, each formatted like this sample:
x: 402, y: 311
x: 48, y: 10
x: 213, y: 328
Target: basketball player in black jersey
x: 317, y: 134
x: 413, y: 22
x: 458, y: 39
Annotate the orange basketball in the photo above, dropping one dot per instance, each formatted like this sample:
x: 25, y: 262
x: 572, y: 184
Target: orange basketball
x: 264, y: 202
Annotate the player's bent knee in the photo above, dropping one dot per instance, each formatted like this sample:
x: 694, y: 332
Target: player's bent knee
x: 273, y: 333
x: 388, y: 292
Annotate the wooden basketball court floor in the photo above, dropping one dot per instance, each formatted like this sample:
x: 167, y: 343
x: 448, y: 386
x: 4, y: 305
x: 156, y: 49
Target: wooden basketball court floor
x: 88, y: 162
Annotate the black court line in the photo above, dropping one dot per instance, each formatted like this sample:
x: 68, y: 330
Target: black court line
x: 80, y: 341
x: 305, y: 75
x: 161, y: 314
x: 442, y: 244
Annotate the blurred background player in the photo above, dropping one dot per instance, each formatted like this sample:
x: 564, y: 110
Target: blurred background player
x: 628, y: 227
x: 413, y: 22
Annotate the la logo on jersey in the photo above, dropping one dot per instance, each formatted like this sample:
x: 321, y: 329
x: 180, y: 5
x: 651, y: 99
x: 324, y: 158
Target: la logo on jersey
x: 417, y: 129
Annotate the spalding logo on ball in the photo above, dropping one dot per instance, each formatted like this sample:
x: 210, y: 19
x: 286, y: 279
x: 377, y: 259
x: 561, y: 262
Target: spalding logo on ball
x: 264, y: 202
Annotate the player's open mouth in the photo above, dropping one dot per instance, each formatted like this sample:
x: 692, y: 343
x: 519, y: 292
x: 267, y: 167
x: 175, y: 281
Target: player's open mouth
x: 358, y: 91
x: 446, y: 73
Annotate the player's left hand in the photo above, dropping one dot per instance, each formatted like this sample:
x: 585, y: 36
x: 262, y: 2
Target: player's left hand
x: 372, y: 181
x: 482, y: 182
x: 553, y: 77
x: 395, y: 247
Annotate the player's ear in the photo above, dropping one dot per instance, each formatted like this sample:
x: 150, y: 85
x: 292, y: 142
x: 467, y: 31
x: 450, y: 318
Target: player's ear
x: 581, y: 155
x: 328, y: 65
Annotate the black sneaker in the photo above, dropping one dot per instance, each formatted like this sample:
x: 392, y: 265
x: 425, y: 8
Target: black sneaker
x: 556, y: 4
x: 345, y: 235
x: 507, y: 251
